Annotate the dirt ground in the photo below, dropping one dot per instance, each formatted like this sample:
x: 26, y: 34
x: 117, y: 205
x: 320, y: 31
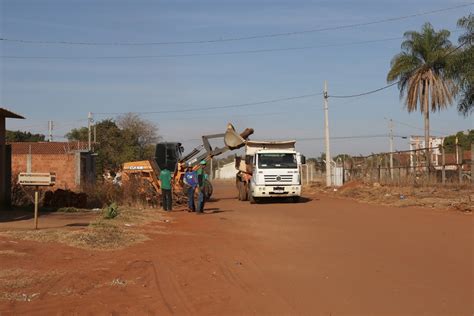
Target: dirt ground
x: 324, y: 256
x: 449, y: 197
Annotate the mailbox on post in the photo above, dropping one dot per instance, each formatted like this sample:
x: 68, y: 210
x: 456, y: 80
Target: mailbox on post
x: 37, y: 179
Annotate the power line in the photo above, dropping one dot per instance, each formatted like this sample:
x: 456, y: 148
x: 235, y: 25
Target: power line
x: 322, y: 138
x: 362, y: 94
x: 216, y: 107
x: 348, y: 137
x: 387, y: 86
x: 241, y: 38
x: 238, y: 52
x: 416, y: 127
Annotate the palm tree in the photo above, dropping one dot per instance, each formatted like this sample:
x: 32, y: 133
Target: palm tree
x: 420, y: 70
x: 462, y: 68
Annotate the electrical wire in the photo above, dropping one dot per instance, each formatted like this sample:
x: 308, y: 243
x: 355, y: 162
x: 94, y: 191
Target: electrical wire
x: 387, y: 86
x: 238, y: 52
x: 216, y: 107
x: 416, y: 127
x: 346, y: 137
x: 241, y: 38
x: 362, y: 94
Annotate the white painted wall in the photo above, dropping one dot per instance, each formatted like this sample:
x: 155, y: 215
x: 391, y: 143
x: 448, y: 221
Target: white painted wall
x: 226, y: 171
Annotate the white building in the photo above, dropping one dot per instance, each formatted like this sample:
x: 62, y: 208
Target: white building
x: 226, y: 171
x: 418, y: 143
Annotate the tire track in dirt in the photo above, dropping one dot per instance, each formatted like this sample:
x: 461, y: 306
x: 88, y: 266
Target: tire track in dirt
x: 156, y: 280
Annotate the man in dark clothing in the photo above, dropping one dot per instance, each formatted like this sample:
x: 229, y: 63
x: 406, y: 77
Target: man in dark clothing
x: 191, y: 181
x: 165, y: 183
x: 201, y: 183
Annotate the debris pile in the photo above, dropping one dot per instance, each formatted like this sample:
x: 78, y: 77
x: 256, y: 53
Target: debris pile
x: 65, y: 198
x: 448, y: 197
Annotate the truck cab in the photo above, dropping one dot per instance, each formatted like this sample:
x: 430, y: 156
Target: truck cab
x: 271, y: 169
x: 276, y: 174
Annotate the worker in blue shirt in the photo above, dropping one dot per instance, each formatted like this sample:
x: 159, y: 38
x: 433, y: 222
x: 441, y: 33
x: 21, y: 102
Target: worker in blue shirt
x: 191, y: 181
x: 201, y: 174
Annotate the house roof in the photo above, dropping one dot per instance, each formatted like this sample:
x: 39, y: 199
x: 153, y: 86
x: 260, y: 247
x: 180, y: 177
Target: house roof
x: 47, y: 148
x: 9, y: 114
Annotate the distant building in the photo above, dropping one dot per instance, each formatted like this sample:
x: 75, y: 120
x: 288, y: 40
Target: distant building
x: 5, y: 159
x: 226, y: 171
x: 72, y: 162
x: 418, y: 143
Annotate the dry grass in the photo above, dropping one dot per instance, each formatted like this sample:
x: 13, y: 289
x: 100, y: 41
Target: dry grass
x: 20, y: 284
x: 12, y: 253
x: 101, y: 234
x: 454, y: 197
x: 15, y: 279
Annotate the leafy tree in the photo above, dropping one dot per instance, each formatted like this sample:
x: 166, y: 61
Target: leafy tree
x: 140, y: 131
x: 342, y: 157
x: 78, y: 134
x: 20, y: 136
x: 420, y: 70
x: 462, y: 66
x: 464, y: 140
x: 116, y: 145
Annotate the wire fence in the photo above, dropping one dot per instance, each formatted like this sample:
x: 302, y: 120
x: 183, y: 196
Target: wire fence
x: 408, y: 167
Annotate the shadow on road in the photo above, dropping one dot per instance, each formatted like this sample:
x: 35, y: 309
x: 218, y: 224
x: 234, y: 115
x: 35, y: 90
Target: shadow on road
x: 77, y: 225
x: 287, y: 200
x: 214, y: 210
x: 15, y: 215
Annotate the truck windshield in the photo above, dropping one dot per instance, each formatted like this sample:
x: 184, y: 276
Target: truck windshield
x: 277, y: 160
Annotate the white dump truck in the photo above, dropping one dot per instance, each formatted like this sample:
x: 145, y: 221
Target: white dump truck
x: 269, y: 169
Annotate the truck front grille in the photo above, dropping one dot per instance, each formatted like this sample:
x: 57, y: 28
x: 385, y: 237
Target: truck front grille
x: 278, y: 178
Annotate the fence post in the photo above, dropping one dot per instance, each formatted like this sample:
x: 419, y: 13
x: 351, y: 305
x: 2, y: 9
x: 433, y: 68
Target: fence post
x: 443, y: 169
x: 459, y: 163
x: 378, y: 168
x: 472, y: 163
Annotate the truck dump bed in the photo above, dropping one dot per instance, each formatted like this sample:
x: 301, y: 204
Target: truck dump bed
x: 252, y: 146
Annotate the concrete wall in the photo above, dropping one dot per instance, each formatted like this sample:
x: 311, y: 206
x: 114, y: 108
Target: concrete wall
x: 227, y: 171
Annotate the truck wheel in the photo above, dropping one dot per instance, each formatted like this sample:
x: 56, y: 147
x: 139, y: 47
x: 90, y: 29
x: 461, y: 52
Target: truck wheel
x: 208, y: 190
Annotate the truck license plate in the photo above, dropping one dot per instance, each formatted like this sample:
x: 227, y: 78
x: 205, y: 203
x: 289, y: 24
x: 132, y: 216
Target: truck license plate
x: 278, y: 188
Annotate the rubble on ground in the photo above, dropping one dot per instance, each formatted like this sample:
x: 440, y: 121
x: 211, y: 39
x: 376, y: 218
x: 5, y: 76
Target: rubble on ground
x: 458, y: 198
x: 64, y: 198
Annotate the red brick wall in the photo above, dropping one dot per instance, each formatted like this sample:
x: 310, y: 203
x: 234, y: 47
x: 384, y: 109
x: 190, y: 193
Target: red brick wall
x: 64, y: 165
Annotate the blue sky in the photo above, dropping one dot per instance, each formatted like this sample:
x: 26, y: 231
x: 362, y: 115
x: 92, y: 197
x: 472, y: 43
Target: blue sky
x: 66, y: 90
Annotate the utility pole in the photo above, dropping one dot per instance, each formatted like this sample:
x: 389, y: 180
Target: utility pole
x: 326, y: 134
x: 89, y: 125
x: 50, y: 131
x: 391, y: 148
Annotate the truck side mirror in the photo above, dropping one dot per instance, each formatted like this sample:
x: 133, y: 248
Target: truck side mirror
x: 303, y: 160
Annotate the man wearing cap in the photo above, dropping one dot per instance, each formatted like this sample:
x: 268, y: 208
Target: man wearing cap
x: 191, y: 181
x: 201, y: 174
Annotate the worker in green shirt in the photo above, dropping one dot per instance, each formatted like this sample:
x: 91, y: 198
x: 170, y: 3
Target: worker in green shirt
x: 165, y: 183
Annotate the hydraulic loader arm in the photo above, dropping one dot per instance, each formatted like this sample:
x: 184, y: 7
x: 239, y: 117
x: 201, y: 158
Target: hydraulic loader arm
x: 232, y: 141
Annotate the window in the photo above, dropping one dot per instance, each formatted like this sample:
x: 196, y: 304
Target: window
x: 277, y: 160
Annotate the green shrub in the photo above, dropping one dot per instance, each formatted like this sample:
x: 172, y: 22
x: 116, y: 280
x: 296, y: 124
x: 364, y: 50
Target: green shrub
x: 111, y: 211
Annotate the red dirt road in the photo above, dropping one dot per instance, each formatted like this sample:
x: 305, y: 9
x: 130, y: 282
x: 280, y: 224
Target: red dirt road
x: 322, y: 257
